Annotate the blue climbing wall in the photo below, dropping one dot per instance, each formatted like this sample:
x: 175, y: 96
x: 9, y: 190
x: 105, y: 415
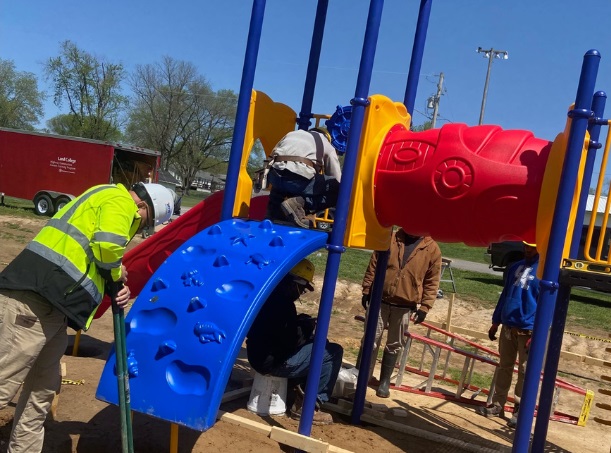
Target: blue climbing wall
x: 185, y: 330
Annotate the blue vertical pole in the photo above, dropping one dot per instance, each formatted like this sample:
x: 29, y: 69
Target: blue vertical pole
x: 562, y: 303
x: 305, y: 115
x: 417, y: 51
x: 241, y: 117
x: 370, y: 331
x: 336, y: 240
x: 549, y: 283
x: 382, y: 262
x: 598, y: 107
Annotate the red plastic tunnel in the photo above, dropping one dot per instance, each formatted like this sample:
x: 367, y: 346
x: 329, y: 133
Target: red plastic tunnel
x: 475, y: 185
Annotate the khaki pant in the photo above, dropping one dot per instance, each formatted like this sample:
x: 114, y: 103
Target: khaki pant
x: 33, y: 339
x: 396, y: 320
x: 512, y: 345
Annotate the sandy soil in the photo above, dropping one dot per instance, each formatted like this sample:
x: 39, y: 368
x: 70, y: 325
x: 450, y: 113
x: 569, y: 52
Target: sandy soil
x: 84, y: 424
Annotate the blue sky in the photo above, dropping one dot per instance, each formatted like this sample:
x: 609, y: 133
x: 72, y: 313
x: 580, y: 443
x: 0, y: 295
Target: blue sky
x: 546, y: 40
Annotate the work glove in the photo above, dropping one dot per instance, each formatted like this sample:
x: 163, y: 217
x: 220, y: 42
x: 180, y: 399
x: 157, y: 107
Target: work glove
x: 492, y: 332
x: 419, y: 316
x: 305, y: 328
x: 365, y: 300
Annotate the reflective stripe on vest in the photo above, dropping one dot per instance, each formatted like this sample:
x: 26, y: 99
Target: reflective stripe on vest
x: 61, y: 224
x: 70, y: 269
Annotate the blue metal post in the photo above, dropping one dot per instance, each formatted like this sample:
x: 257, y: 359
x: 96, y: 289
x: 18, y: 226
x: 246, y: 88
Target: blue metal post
x: 598, y: 107
x: 417, y: 52
x: 310, y: 83
x: 549, y: 283
x: 241, y: 117
x: 336, y: 241
x: 370, y: 331
x: 380, y: 273
x: 562, y: 303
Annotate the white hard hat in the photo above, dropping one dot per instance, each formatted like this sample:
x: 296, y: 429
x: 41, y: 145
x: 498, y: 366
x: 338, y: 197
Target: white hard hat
x: 159, y: 199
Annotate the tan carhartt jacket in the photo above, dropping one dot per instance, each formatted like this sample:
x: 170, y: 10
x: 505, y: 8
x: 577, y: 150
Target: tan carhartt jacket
x: 415, y: 283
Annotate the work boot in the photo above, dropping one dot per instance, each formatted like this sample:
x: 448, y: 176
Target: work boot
x: 388, y: 366
x: 320, y: 417
x: 372, y: 381
x: 293, y: 209
x: 274, y: 212
x: 494, y: 410
x: 514, y: 418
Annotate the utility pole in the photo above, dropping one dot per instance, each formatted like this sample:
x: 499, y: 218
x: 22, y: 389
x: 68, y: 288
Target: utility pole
x: 489, y: 54
x: 436, y: 100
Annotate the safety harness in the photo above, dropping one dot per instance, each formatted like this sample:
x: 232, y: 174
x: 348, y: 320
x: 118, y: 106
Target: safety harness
x: 317, y: 164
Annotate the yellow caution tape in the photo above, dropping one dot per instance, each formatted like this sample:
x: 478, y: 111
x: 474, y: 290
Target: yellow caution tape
x: 587, y: 336
x: 71, y: 382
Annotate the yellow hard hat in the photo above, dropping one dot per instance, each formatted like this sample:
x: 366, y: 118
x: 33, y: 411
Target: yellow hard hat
x: 529, y: 244
x: 303, y: 273
x: 323, y: 130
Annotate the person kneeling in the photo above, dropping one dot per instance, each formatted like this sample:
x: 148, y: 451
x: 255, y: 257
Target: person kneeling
x: 280, y: 342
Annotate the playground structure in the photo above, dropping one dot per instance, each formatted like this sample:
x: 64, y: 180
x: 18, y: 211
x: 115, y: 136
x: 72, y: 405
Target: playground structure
x: 203, y: 279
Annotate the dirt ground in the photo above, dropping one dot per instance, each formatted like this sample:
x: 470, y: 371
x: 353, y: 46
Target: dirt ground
x: 428, y: 424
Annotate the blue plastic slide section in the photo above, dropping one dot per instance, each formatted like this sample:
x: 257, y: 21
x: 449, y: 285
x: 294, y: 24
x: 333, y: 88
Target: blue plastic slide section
x: 188, y: 324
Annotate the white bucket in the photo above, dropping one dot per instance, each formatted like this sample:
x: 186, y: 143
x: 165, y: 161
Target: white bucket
x: 268, y: 395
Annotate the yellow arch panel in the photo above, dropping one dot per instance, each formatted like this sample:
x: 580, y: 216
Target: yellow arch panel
x: 549, y: 192
x: 268, y: 121
x: 363, y: 229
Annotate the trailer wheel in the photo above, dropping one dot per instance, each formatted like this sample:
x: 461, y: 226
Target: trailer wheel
x: 61, y: 202
x: 43, y: 205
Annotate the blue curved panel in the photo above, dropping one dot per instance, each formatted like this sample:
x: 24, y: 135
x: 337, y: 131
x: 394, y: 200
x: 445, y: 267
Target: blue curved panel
x: 186, y: 328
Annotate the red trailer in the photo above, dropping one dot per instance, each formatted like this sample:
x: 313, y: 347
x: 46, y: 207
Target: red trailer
x: 50, y: 169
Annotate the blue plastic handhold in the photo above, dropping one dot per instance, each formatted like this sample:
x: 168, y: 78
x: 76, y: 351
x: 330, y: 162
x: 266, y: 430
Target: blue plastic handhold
x: 266, y: 225
x: 241, y: 239
x: 208, y: 332
x: 196, y: 304
x: 259, y: 260
x: 166, y: 348
x: 132, y: 364
x: 221, y: 261
x: 276, y: 242
x: 215, y: 230
x: 190, y: 278
x: 158, y: 285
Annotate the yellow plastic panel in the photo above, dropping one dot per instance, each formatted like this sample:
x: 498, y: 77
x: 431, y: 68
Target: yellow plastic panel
x: 363, y: 229
x: 549, y: 192
x: 268, y: 121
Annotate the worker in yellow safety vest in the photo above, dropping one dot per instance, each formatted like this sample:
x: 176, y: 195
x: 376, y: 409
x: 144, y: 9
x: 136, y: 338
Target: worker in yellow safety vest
x: 59, y: 280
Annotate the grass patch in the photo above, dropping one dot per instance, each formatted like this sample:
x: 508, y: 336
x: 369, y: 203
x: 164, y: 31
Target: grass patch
x: 463, y: 252
x: 17, y: 207
x: 352, y: 265
x: 194, y: 197
x: 588, y: 309
x: 482, y: 381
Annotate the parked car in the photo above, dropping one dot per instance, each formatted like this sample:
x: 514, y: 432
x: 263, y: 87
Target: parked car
x: 501, y: 255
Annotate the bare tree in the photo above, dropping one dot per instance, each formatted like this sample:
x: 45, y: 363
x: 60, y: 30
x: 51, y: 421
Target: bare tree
x: 92, y: 89
x: 177, y: 112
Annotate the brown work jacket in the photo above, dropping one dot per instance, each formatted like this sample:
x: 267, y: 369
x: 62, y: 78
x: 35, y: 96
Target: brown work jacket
x: 411, y: 284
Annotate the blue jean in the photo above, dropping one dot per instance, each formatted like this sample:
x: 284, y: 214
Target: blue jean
x: 297, y: 367
x: 319, y: 193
